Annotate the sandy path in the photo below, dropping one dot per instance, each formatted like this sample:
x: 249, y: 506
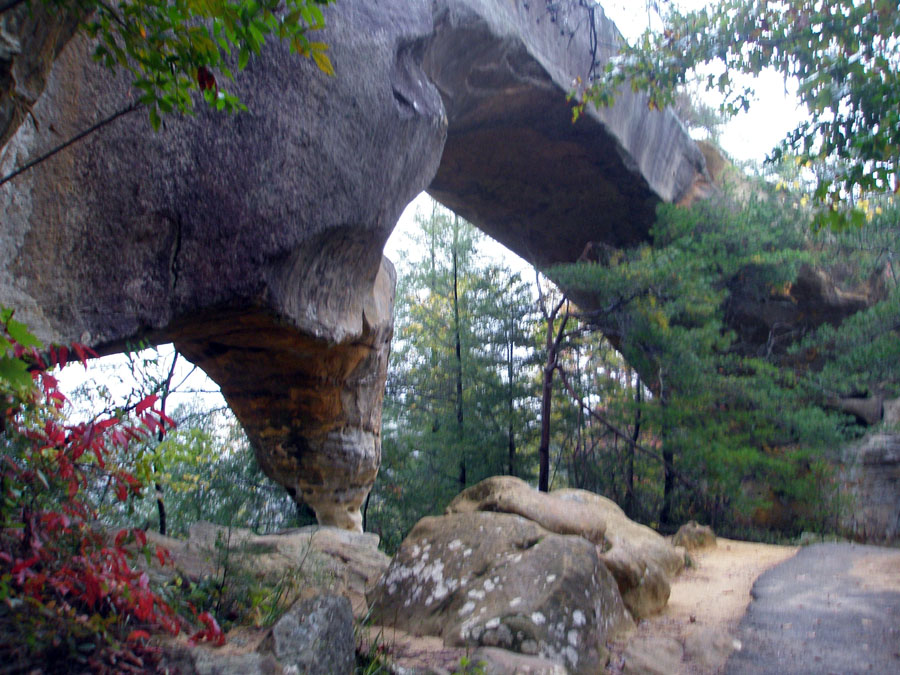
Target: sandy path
x: 706, y: 604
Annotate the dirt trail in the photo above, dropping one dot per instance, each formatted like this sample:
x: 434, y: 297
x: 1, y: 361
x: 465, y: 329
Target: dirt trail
x: 706, y: 605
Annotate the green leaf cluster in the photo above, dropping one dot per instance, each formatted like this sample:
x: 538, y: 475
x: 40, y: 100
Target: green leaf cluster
x: 844, y: 54
x: 173, y: 48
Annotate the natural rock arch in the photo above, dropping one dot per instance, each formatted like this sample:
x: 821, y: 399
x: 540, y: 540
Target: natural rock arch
x: 254, y: 242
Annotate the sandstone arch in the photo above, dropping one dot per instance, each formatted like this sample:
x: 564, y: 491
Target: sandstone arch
x: 254, y: 242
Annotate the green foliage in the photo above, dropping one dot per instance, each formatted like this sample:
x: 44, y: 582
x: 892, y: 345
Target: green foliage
x: 428, y: 430
x: 727, y: 415
x: 845, y: 55
x: 172, y: 48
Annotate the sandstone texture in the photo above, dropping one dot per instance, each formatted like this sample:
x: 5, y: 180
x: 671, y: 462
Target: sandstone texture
x: 514, y: 164
x: 316, y: 637
x: 31, y: 37
x: 871, y: 482
x: 641, y: 560
x: 508, y: 494
x: 694, y: 537
x: 254, y: 241
x: 328, y: 559
x: 499, y: 580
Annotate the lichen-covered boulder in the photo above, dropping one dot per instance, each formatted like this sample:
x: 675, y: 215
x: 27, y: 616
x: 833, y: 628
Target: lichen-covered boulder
x: 508, y: 494
x: 316, y: 637
x: 499, y: 580
x: 641, y: 560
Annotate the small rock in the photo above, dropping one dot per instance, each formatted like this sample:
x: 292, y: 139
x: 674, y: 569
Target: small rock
x: 653, y: 656
x: 693, y: 536
x: 502, y: 662
x: 316, y: 637
x: 708, y: 647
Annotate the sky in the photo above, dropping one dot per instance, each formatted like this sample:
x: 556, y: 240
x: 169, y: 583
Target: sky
x: 749, y: 136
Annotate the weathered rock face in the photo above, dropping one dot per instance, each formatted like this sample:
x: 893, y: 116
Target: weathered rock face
x: 514, y: 164
x: 499, y: 580
x: 31, y: 36
x: 508, y: 494
x: 871, y: 480
x: 640, y: 560
x: 254, y: 241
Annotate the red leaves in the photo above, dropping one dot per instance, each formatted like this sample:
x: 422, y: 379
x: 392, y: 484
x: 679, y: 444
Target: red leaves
x: 206, y: 80
x: 211, y: 632
x: 51, y: 551
x: 147, y: 402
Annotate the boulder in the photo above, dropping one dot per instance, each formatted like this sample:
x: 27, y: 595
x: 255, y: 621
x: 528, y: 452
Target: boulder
x: 640, y: 559
x: 325, y: 558
x: 693, y: 537
x: 499, y: 580
x: 653, y: 656
x: 508, y: 494
x: 502, y: 662
x: 870, y: 479
x: 316, y: 637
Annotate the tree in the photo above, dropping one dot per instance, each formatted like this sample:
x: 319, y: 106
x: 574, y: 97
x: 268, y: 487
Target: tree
x: 845, y: 55
x: 724, y: 413
x: 456, y: 403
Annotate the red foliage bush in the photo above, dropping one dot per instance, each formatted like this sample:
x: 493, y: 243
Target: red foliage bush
x: 68, y: 589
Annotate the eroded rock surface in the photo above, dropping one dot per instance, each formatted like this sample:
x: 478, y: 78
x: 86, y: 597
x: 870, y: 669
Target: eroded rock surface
x: 641, y: 560
x: 871, y: 481
x: 254, y: 241
x: 499, y: 580
x: 508, y: 494
x: 514, y: 163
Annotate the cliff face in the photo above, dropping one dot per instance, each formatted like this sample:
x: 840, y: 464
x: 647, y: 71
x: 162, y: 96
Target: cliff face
x: 254, y: 241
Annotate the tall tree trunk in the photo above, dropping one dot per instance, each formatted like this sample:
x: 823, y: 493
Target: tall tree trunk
x: 160, y: 504
x: 511, y: 467
x: 554, y: 340
x: 456, y: 329
x: 544, y: 449
x: 668, y: 457
x: 630, y: 500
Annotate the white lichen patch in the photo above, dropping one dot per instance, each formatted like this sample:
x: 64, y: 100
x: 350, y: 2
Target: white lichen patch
x: 551, y: 578
x: 475, y: 593
x: 515, y: 602
x: 538, y: 619
x: 466, y: 608
x: 467, y: 553
x: 455, y: 544
x: 489, y: 585
x: 492, y: 623
x: 578, y: 618
x: 572, y: 637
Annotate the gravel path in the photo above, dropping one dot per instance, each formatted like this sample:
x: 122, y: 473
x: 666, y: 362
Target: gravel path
x: 831, y: 609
